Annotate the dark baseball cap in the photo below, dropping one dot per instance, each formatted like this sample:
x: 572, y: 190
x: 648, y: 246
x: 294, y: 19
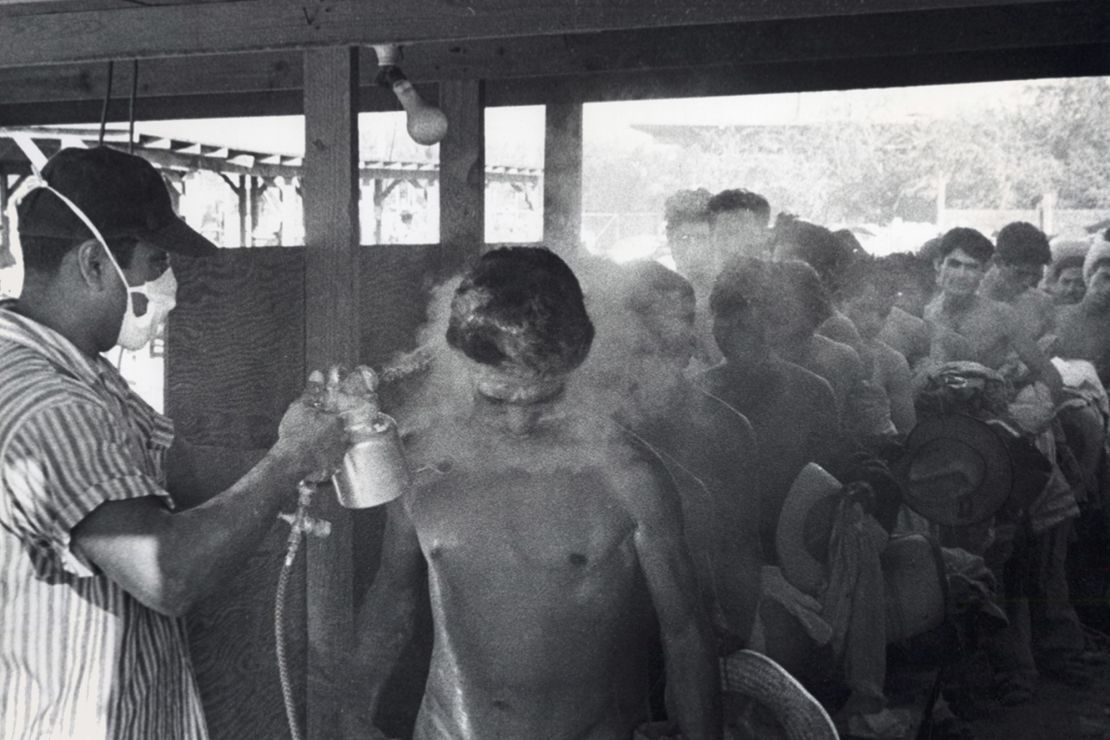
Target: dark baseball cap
x: 123, y: 195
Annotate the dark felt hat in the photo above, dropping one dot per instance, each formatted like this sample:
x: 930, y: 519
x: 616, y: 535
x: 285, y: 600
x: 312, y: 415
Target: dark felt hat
x: 123, y: 195
x: 957, y: 470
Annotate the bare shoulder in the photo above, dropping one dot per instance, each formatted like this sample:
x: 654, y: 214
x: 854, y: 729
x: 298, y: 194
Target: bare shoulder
x: 722, y: 417
x: 641, y: 485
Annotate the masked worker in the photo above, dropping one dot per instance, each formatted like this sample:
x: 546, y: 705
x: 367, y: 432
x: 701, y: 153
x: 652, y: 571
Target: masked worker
x: 97, y: 561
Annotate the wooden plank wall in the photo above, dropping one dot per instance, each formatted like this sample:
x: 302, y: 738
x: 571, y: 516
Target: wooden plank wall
x: 235, y: 360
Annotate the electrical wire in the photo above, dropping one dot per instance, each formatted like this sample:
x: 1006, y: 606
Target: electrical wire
x: 107, y: 100
x: 131, y: 106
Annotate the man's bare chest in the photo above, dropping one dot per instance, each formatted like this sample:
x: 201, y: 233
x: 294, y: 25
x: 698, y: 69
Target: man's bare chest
x: 506, y: 518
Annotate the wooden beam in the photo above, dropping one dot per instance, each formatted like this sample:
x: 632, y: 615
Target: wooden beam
x: 939, y: 69
x: 562, y: 180
x: 331, y: 196
x: 830, y: 74
x: 462, y: 171
x: 1051, y: 24
x: 252, y: 25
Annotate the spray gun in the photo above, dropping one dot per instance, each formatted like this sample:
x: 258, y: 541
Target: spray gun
x: 373, y: 472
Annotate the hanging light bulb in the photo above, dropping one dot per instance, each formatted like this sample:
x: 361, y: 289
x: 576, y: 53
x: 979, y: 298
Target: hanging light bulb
x: 426, y: 123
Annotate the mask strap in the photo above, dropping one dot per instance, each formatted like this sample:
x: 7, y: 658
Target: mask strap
x: 43, y: 185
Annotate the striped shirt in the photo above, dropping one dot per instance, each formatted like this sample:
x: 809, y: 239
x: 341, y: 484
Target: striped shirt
x: 79, y: 656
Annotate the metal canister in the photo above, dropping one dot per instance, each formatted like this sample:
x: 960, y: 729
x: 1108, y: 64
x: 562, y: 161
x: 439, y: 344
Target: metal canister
x: 374, y: 470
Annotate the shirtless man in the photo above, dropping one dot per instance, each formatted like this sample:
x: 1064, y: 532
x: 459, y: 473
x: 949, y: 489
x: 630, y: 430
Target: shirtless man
x: 801, y: 305
x: 904, y: 329
x: 738, y: 225
x: 792, y: 411
x: 1064, y: 278
x: 829, y: 255
x: 708, y: 447
x: 867, y: 293
x: 1020, y: 256
x: 688, y: 236
x: 553, y: 550
x: 1083, y: 330
x: 992, y: 328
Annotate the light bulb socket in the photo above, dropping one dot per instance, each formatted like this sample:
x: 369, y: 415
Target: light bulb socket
x: 389, y: 75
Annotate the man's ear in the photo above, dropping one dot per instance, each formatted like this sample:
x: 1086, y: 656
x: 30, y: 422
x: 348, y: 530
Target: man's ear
x: 93, y: 265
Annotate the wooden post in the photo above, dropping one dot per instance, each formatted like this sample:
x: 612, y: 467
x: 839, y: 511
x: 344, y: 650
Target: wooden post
x: 5, y: 239
x: 331, y: 195
x: 562, y: 178
x: 254, y: 199
x: 462, y: 172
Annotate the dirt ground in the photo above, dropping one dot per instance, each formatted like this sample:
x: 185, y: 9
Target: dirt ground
x: 1056, y: 713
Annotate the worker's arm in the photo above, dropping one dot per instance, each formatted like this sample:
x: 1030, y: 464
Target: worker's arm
x: 168, y: 560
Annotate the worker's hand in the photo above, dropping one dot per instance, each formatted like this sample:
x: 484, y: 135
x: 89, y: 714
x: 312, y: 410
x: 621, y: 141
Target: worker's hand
x: 315, y: 436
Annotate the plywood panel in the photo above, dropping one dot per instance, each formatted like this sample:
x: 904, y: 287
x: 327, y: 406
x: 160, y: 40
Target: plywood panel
x: 234, y: 362
x: 235, y: 356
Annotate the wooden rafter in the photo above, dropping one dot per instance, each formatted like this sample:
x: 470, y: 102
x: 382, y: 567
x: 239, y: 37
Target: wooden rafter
x: 255, y: 25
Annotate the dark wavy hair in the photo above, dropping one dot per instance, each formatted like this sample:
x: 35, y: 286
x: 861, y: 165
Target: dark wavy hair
x: 738, y: 199
x: 521, y: 308
x: 971, y: 241
x: 1024, y: 243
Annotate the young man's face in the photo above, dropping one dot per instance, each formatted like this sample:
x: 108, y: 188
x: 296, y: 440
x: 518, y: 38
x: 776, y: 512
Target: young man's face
x: 959, y: 274
x: 669, y: 330
x: 1069, y: 286
x: 692, y: 251
x: 739, y: 233
x: 1098, y: 288
x: 868, y: 310
x: 740, y: 335
x: 1022, y: 275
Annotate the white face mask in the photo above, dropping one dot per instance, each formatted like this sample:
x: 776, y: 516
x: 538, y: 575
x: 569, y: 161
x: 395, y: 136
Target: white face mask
x: 135, y: 331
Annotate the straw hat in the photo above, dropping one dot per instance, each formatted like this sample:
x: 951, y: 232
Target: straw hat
x: 802, y: 534
x: 956, y: 471
x: 799, y: 714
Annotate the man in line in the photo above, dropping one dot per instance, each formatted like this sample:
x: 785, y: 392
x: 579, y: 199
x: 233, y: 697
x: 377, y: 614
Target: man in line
x: 738, y: 225
x: 1016, y: 270
x: 1083, y: 329
x: 792, y: 410
x: 801, y: 305
x: 688, y: 236
x: 867, y: 294
x: 96, y: 566
x: 992, y: 328
x: 553, y: 549
x: 708, y: 447
x: 1064, y: 280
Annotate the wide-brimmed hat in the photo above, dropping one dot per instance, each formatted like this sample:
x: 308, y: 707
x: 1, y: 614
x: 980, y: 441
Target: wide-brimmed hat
x: 916, y: 586
x: 802, y: 533
x: 956, y: 470
x: 757, y: 677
